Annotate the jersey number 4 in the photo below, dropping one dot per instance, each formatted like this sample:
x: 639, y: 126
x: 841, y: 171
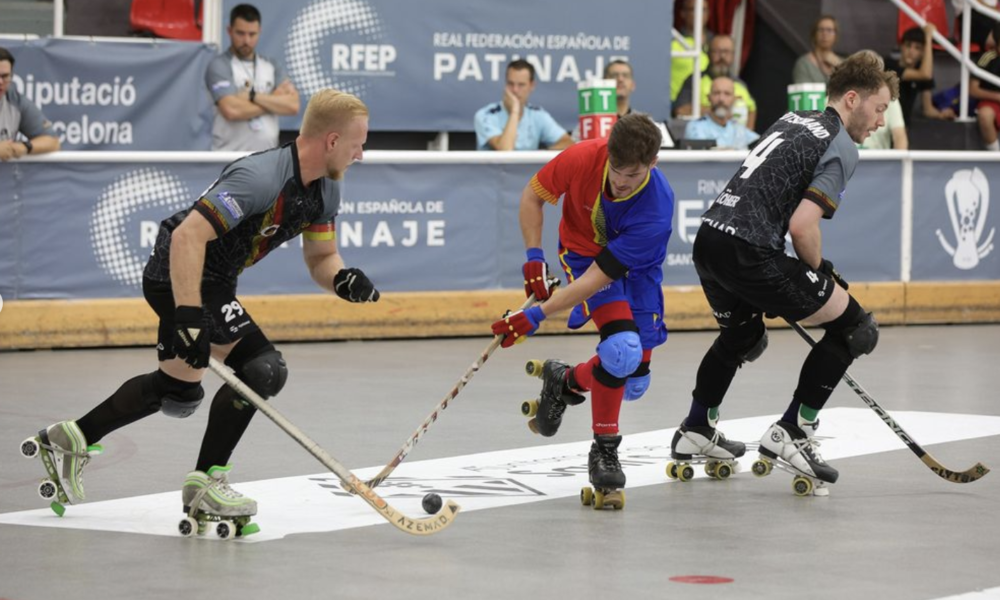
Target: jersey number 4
x: 760, y: 152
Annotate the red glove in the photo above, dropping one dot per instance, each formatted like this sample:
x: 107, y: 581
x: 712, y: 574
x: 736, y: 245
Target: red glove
x: 516, y: 327
x: 536, y: 275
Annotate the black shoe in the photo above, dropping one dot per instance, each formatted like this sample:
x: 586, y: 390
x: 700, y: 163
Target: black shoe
x: 554, y: 398
x: 605, y: 469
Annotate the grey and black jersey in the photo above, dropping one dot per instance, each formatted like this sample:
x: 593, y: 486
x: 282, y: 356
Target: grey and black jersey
x: 804, y: 155
x: 257, y: 204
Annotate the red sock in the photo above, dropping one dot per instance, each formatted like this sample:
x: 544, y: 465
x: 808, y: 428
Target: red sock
x: 582, y: 376
x: 605, y: 404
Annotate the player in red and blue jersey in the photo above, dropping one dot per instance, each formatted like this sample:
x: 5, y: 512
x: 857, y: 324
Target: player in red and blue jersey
x: 616, y: 222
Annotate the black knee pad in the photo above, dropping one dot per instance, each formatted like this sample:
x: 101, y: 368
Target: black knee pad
x: 259, y: 365
x: 852, y: 334
x: 607, y: 379
x: 743, y: 343
x: 173, y: 397
x: 265, y: 373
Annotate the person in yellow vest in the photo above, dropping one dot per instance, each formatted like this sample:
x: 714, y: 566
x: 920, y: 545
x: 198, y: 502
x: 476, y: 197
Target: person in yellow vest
x: 681, y: 68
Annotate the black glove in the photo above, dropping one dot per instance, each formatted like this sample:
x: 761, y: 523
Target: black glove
x: 354, y: 286
x: 192, y: 335
x: 826, y: 267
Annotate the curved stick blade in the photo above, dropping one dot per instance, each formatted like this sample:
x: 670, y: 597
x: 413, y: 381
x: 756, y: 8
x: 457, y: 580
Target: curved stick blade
x: 973, y: 473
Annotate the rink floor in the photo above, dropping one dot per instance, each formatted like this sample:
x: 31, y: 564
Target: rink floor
x: 889, y: 529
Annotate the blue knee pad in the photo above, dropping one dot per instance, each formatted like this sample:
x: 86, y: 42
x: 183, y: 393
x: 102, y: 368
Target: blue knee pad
x: 620, y: 353
x: 637, y: 383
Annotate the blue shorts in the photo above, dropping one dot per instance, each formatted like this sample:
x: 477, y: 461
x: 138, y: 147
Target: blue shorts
x: 642, y: 290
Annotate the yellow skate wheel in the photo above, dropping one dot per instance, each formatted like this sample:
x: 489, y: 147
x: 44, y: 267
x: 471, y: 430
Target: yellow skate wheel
x: 187, y: 527
x: 761, y: 467
x: 685, y: 472
x: 723, y: 471
x: 534, y: 368
x: 529, y: 408
x: 598, y: 499
x: 710, y: 468
x: 586, y: 496
x: 672, y: 470
x: 803, y: 486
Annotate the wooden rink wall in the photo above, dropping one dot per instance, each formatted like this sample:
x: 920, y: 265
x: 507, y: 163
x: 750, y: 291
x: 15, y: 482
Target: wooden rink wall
x: 39, y: 324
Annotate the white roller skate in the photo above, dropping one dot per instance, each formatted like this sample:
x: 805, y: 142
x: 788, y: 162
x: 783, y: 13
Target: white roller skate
x: 793, y: 449
x: 64, y: 453
x: 208, y: 499
x: 703, y: 445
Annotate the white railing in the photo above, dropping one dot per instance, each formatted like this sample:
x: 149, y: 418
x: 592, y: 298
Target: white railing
x: 961, y: 56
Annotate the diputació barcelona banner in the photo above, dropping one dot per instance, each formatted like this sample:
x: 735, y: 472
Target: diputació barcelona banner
x: 430, y: 65
x: 128, y: 95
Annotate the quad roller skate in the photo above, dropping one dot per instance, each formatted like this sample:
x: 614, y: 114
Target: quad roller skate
x: 703, y: 445
x: 606, y: 475
x: 792, y: 449
x: 64, y: 453
x: 546, y: 412
x: 210, y: 502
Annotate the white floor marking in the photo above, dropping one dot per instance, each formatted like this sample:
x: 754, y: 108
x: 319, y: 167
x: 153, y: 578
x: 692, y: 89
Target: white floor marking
x: 311, y: 504
x: 990, y: 594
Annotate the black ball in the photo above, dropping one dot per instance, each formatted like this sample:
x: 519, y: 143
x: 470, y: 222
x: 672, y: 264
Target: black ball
x: 431, y: 503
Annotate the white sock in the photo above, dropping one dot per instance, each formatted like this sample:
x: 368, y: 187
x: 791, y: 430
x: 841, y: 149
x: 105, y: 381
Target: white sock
x: 995, y: 146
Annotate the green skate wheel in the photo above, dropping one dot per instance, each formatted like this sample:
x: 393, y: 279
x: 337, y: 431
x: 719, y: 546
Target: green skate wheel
x: 249, y: 529
x: 57, y: 508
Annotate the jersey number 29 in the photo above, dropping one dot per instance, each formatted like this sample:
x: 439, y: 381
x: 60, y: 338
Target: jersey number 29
x: 760, y: 152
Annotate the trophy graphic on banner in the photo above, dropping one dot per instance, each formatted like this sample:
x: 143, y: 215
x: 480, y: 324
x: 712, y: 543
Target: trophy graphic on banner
x: 598, y: 103
x: 968, y: 198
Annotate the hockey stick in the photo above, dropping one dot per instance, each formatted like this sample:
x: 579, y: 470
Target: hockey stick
x: 426, y: 526
x: 973, y: 473
x: 412, y: 441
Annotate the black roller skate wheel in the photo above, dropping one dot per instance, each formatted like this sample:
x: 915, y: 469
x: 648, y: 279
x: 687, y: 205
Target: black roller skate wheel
x: 30, y: 448
x: 225, y: 530
x: 47, y: 490
x: 187, y: 527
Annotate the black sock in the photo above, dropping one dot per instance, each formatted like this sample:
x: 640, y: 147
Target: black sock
x: 125, y: 406
x: 228, y: 419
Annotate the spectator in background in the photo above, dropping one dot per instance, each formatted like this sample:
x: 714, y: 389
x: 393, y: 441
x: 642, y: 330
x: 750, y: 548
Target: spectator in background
x: 816, y: 66
x: 18, y: 115
x: 682, y: 68
x: 915, y: 68
x: 988, y: 95
x: 721, y: 52
x: 719, y: 124
x: 250, y: 91
x: 892, y: 134
x: 513, y: 124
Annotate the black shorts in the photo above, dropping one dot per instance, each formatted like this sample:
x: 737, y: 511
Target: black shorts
x: 740, y: 280
x: 232, y: 321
